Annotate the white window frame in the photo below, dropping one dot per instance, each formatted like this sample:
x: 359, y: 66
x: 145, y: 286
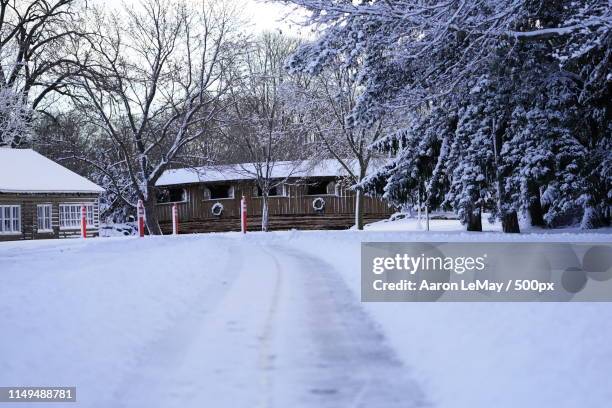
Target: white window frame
x: 46, y: 218
x: 14, y: 219
x: 75, y: 215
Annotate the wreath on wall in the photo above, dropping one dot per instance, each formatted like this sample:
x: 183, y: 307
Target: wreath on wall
x: 217, y: 209
x: 318, y: 204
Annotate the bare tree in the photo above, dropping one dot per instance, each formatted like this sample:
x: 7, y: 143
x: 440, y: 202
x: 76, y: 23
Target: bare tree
x: 155, y: 83
x: 37, y: 43
x: 265, y: 128
x: 73, y: 139
x: 327, y: 103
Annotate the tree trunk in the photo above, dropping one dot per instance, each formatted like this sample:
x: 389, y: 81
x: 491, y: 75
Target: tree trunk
x: 264, y: 213
x: 474, y: 221
x: 419, y: 225
x: 509, y: 218
x: 510, y: 222
x: 151, y: 219
x: 359, y: 209
x: 536, y: 214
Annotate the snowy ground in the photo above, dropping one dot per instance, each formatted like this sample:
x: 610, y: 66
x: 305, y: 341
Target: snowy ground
x: 274, y: 320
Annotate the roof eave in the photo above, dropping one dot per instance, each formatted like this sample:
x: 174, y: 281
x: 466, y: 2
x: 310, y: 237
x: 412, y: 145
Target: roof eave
x: 181, y: 183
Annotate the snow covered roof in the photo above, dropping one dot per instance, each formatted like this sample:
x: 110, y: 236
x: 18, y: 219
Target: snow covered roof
x: 246, y: 171
x: 25, y: 171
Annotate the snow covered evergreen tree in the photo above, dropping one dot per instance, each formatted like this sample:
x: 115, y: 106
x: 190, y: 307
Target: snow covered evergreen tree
x: 417, y: 173
x: 530, y: 81
x: 471, y: 163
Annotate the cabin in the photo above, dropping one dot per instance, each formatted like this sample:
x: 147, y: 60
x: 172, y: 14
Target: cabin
x: 40, y: 199
x: 307, y: 196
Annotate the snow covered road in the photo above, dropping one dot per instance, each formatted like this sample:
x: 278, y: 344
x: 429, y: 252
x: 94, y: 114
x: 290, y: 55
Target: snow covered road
x: 274, y: 320
x: 223, y: 323
x: 281, y: 331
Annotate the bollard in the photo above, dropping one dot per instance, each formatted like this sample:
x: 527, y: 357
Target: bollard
x: 175, y: 219
x: 83, y: 221
x: 141, y: 215
x: 243, y: 215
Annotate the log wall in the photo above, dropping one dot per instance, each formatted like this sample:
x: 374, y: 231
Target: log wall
x: 29, y: 222
x: 292, y: 211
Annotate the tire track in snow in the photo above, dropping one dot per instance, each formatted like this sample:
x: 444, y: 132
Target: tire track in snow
x: 334, y: 354
x: 266, y: 357
x: 225, y: 354
x: 152, y: 377
x: 284, y: 332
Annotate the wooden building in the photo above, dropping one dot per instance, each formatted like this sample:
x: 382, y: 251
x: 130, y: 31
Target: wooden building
x: 309, y: 197
x: 40, y: 199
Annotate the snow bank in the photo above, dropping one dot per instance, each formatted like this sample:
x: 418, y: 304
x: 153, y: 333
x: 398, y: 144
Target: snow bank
x: 118, y: 229
x: 445, y: 223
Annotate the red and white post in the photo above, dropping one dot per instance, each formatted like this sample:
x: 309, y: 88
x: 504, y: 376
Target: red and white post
x: 243, y: 215
x: 175, y: 220
x: 141, y: 219
x: 83, y: 221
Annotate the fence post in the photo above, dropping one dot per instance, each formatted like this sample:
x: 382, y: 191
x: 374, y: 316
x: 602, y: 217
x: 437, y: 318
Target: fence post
x: 243, y: 215
x: 83, y: 221
x: 140, y: 219
x: 175, y: 219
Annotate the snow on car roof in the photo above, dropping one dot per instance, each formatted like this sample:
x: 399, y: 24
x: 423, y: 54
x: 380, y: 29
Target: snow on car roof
x: 247, y: 171
x: 26, y: 171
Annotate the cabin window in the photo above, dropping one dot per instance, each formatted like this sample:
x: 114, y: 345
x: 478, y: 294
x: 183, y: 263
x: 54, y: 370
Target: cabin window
x: 10, y: 219
x: 43, y: 217
x: 220, y: 191
x: 277, y: 191
x: 70, y: 215
x: 318, y: 188
x: 172, y: 195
